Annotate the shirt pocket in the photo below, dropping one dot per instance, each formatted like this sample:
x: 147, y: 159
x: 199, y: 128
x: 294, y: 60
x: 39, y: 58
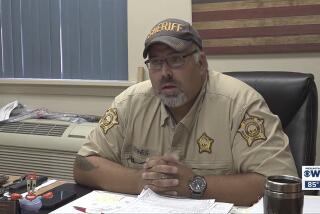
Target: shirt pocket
x: 217, y: 168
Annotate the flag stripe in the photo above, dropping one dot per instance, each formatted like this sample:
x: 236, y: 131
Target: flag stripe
x: 260, y: 31
x: 258, y: 26
x: 307, y: 39
x: 257, y: 13
x: 244, y: 23
x: 226, y: 5
x: 292, y: 48
x: 210, y: 1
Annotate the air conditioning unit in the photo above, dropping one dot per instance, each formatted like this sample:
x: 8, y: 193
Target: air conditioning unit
x: 47, y: 147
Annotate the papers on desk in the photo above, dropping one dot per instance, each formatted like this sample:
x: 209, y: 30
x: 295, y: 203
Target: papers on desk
x: 311, y: 204
x: 146, y: 202
x: 6, y: 110
x: 150, y: 202
x: 97, y: 202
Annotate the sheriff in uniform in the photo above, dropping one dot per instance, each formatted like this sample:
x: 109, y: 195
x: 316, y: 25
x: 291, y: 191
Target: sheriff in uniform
x: 227, y: 130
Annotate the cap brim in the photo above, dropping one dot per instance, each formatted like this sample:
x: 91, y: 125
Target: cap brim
x: 174, y: 43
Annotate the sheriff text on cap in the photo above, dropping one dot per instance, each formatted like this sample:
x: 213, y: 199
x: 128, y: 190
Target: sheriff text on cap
x: 175, y: 33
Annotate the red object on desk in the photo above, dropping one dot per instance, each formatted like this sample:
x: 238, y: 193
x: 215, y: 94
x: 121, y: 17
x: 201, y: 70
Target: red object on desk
x: 31, y: 196
x: 84, y: 210
x: 81, y: 209
x: 47, y: 195
x: 15, y: 196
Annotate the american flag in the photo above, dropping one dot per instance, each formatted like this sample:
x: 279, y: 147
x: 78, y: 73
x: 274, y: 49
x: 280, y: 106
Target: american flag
x: 257, y: 26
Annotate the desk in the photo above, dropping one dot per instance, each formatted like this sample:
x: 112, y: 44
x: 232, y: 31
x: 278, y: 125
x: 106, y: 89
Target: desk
x: 80, y: 190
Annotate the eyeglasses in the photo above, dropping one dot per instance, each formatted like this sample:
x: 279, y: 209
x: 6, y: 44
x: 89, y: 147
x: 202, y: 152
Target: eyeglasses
x: 173, y: 61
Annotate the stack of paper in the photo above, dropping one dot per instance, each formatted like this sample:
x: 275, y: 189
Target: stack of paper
x: 150, y: 202
x: 146, y: 202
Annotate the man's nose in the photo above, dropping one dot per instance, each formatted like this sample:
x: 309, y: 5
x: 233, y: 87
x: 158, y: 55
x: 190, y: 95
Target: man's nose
x: 166, y: 70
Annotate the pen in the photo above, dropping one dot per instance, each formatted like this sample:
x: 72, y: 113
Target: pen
x: 87, y: 210
x: 81, y: 209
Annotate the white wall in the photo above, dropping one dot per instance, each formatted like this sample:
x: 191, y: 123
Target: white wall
x: 142, y: 16
x: 81, y: 97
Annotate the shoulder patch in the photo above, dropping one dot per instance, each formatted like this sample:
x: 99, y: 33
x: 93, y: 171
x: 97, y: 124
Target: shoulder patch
x: 205, y: 143
x: 252, y: 129
x: 109, y: 119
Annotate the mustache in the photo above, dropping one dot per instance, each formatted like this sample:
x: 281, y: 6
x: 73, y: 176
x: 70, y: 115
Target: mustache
x: 165, y: 80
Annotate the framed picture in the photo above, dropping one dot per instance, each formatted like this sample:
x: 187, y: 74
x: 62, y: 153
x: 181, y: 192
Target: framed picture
x: 257, y: 26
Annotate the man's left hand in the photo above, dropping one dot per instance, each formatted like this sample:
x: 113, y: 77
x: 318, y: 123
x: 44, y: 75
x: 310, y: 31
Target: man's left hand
x: 167, y: 175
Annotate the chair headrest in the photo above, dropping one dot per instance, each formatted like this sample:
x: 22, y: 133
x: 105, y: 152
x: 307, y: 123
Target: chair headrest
x: 279, y: 89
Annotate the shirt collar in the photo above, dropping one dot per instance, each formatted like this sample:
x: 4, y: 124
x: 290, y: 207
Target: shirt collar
x: 188, y: 120
x: 164, y: 114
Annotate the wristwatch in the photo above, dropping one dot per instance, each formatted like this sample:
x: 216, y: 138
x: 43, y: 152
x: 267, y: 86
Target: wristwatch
x: 197, y: 186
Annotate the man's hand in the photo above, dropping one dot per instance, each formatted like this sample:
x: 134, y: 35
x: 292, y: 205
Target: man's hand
x: 167, y: 175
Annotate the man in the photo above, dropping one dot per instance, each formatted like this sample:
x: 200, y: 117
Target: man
x: 187, y: 132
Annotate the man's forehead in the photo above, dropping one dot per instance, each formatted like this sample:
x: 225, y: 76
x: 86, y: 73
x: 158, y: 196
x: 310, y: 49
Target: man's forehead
x: 161, y: 49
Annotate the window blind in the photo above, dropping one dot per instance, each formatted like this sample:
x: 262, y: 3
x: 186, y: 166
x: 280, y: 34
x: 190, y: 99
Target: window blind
x: 64, y: 39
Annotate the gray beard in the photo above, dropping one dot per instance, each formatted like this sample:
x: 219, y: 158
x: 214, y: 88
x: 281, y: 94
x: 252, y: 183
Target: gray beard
x: 174, y: 100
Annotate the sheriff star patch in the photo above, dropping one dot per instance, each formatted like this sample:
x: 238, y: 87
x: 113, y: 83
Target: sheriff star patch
x: 205, y: 143
x: 109, y: 119
x: 252, y: 129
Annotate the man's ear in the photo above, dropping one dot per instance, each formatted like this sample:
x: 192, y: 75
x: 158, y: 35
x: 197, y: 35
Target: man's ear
x: 203, y: 63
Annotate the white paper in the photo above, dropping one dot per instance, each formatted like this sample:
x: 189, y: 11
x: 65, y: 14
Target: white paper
x: 311, y: 205
x: 6, y: 110
x: 146, y: 202
x: 97, y: 202
x: 150, y: 202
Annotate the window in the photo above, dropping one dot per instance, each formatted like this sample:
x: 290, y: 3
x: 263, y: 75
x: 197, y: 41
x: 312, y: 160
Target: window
x: 64, y: 39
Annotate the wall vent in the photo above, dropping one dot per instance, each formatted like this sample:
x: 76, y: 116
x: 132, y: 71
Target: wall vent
x: 52, y: 163
x: 33, y: 128
x: 47, y: 147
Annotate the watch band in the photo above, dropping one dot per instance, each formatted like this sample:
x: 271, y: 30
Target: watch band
x: 196, y: 195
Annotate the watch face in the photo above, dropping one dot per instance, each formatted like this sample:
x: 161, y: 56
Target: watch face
x: 198, y: 184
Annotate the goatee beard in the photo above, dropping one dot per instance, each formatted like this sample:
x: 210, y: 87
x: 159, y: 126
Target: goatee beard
x: 173, y: 100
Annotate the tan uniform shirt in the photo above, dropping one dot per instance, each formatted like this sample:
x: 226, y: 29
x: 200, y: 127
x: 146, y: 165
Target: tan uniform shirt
x: 228, y: 130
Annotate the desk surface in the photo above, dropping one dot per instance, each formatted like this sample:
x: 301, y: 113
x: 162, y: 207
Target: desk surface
x: 80, y: 190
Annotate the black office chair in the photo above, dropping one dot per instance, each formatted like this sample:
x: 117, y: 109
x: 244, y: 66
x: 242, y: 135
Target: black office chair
x: 293, y: 97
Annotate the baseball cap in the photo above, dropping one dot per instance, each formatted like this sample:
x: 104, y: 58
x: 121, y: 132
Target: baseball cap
x: 175, y: 33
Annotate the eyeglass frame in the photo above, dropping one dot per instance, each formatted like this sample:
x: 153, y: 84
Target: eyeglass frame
x: 183, y: 56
